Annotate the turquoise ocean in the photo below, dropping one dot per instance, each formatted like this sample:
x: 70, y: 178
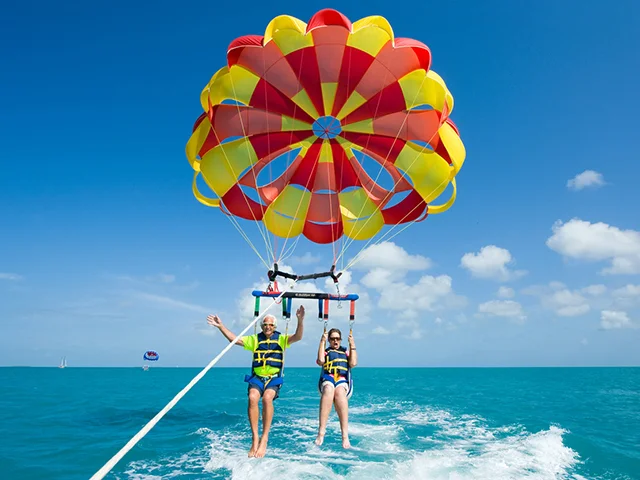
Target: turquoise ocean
x: 413, y: 423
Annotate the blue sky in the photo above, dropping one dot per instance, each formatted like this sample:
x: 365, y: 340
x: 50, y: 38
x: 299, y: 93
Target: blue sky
x: 105, y: 252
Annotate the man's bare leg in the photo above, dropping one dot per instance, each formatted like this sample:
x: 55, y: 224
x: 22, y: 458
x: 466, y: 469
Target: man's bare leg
x: 267, y: 417
x: 342, y: 408
x: 253, y: 411
x: 326, y: 400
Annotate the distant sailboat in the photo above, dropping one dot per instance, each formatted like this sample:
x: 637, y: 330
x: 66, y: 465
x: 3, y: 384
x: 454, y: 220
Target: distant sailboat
x: 63, y: 362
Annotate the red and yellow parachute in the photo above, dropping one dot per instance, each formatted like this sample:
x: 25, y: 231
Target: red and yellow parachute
x: 326, y: 93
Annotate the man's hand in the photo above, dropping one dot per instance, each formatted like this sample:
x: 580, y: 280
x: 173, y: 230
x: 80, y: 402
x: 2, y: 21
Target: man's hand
x: 300, y: 313
x: 214, y: 321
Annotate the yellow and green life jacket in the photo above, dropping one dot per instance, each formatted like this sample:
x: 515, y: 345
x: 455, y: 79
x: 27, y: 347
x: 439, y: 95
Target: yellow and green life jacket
x: 268, y: 352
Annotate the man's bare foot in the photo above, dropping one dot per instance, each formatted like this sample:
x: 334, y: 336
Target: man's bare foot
x: 262, y: 447
x: 254, y: 448
x: 345, y: 442
x: 320, y: 439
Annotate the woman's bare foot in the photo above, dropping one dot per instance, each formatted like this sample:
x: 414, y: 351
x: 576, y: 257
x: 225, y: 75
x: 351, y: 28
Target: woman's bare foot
x: 319, y: 439
x: 254, y: 448
x: 262, y: 447
x: 345, y: 442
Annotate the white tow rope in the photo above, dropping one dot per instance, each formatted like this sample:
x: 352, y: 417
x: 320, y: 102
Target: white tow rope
x: 138, y: 436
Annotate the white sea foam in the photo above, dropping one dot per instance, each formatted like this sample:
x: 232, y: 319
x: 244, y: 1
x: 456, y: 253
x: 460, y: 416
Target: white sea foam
x: 462, y: 447
x: 540, y: 455
x: 385, y: 406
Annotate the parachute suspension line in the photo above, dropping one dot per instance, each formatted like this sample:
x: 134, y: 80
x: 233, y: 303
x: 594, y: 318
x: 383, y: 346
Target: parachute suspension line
x: 295, y: 109
x: 346, y: 245
x: 265, y: 236
x: 290, y: 250
x: 295, y: 216
x: 350, y: 241
x: 359, y: 256
x: 231, y: 218
x: 403, y: 175
x: 235, y: 223
x: 391, y: 229
x: 138, y: 436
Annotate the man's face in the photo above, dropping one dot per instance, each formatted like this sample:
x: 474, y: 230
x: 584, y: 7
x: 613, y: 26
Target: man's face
x: 268, y: 327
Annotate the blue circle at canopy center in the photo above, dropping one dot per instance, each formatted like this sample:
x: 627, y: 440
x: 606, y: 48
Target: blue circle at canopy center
x: 327, y: 127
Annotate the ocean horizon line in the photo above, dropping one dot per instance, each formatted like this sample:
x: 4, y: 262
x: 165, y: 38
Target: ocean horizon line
x: 433, y: 367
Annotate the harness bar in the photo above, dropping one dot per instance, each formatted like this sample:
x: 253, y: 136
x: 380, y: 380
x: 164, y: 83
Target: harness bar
x: 314, y: 296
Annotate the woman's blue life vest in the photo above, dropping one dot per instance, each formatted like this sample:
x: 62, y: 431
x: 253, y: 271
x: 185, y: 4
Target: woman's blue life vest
x: 336, y: 368
x: 268, y: 352
x: 336, y: 363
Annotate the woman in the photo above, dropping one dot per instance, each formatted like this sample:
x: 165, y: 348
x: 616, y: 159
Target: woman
x: 336, y: 362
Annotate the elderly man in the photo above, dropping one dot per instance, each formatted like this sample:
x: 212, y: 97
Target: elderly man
x: 265, y: 381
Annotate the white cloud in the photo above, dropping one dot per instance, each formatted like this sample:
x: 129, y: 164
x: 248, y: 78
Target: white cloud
x: 567, y: 303
x: 389, y: 256
x: 506, y: 292
x: 307, y: 259
x: 587, y: 241
x: 383, y: 286
x: 612, y: 319
x: 388, y: 265
x: 562, y: 301
x: 503, y: 308
x: 628, y: 291
x: 380, y: 331
x: 380, y: 277
x: 10, y: 276
x: 588, y: 178
x: 429, y: 294
x: 573, y: 310
x: 595, y: 290
x: 409, y: 327
x: 624, y: 298
x: 415, y: 334
x: 491, y: 262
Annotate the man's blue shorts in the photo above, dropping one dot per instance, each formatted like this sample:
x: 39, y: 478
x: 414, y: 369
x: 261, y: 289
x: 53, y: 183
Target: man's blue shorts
x: 258, y: 383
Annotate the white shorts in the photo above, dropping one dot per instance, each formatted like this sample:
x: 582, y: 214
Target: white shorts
x: 326, y: 383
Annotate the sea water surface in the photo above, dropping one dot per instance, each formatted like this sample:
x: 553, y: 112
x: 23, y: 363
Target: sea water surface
x: 417, y: 423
